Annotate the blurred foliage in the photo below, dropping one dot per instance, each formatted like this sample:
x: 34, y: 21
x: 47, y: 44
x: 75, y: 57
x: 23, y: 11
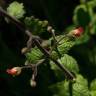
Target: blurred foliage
x: 78, y: 88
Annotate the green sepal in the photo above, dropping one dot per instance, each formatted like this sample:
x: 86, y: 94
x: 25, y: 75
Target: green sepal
x: 68, y: 61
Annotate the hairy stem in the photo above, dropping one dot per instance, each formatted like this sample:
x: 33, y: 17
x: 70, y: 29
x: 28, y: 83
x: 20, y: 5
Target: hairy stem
x: 47, y: 54
x: 37, y: 43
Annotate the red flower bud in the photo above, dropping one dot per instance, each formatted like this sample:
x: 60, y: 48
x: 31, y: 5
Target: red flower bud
x: 77, y: 32
x: 14, y: 71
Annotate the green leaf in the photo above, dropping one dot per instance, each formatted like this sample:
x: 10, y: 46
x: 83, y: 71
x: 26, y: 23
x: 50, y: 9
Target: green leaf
x: 93, y: 93
x: 36, y: 25
x: 64, y: 45
x: 92, y: 3
x: 93, y: 25
x: 93, y: 85
x: 81, y: 16
x: 69, y: 63
x: 79, y: 88
x: 34, y: 55
x: 16, y: 9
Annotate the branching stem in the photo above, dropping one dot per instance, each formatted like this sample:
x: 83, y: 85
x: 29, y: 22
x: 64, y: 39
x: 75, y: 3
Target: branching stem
x: 36, y: 41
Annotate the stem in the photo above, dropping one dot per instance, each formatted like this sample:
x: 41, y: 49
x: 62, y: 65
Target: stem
x: 20, y: 25
x: 37, y: 43
x: 33, y: 65
x: 46, y: 53
x: 54, y: 41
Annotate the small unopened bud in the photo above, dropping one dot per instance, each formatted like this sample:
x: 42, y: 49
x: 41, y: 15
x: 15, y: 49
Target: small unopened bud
x: 24, y: 50
x: 77, y: 32
x: 14, y: 71
x: 33, y: 83
x: 49, y: 28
